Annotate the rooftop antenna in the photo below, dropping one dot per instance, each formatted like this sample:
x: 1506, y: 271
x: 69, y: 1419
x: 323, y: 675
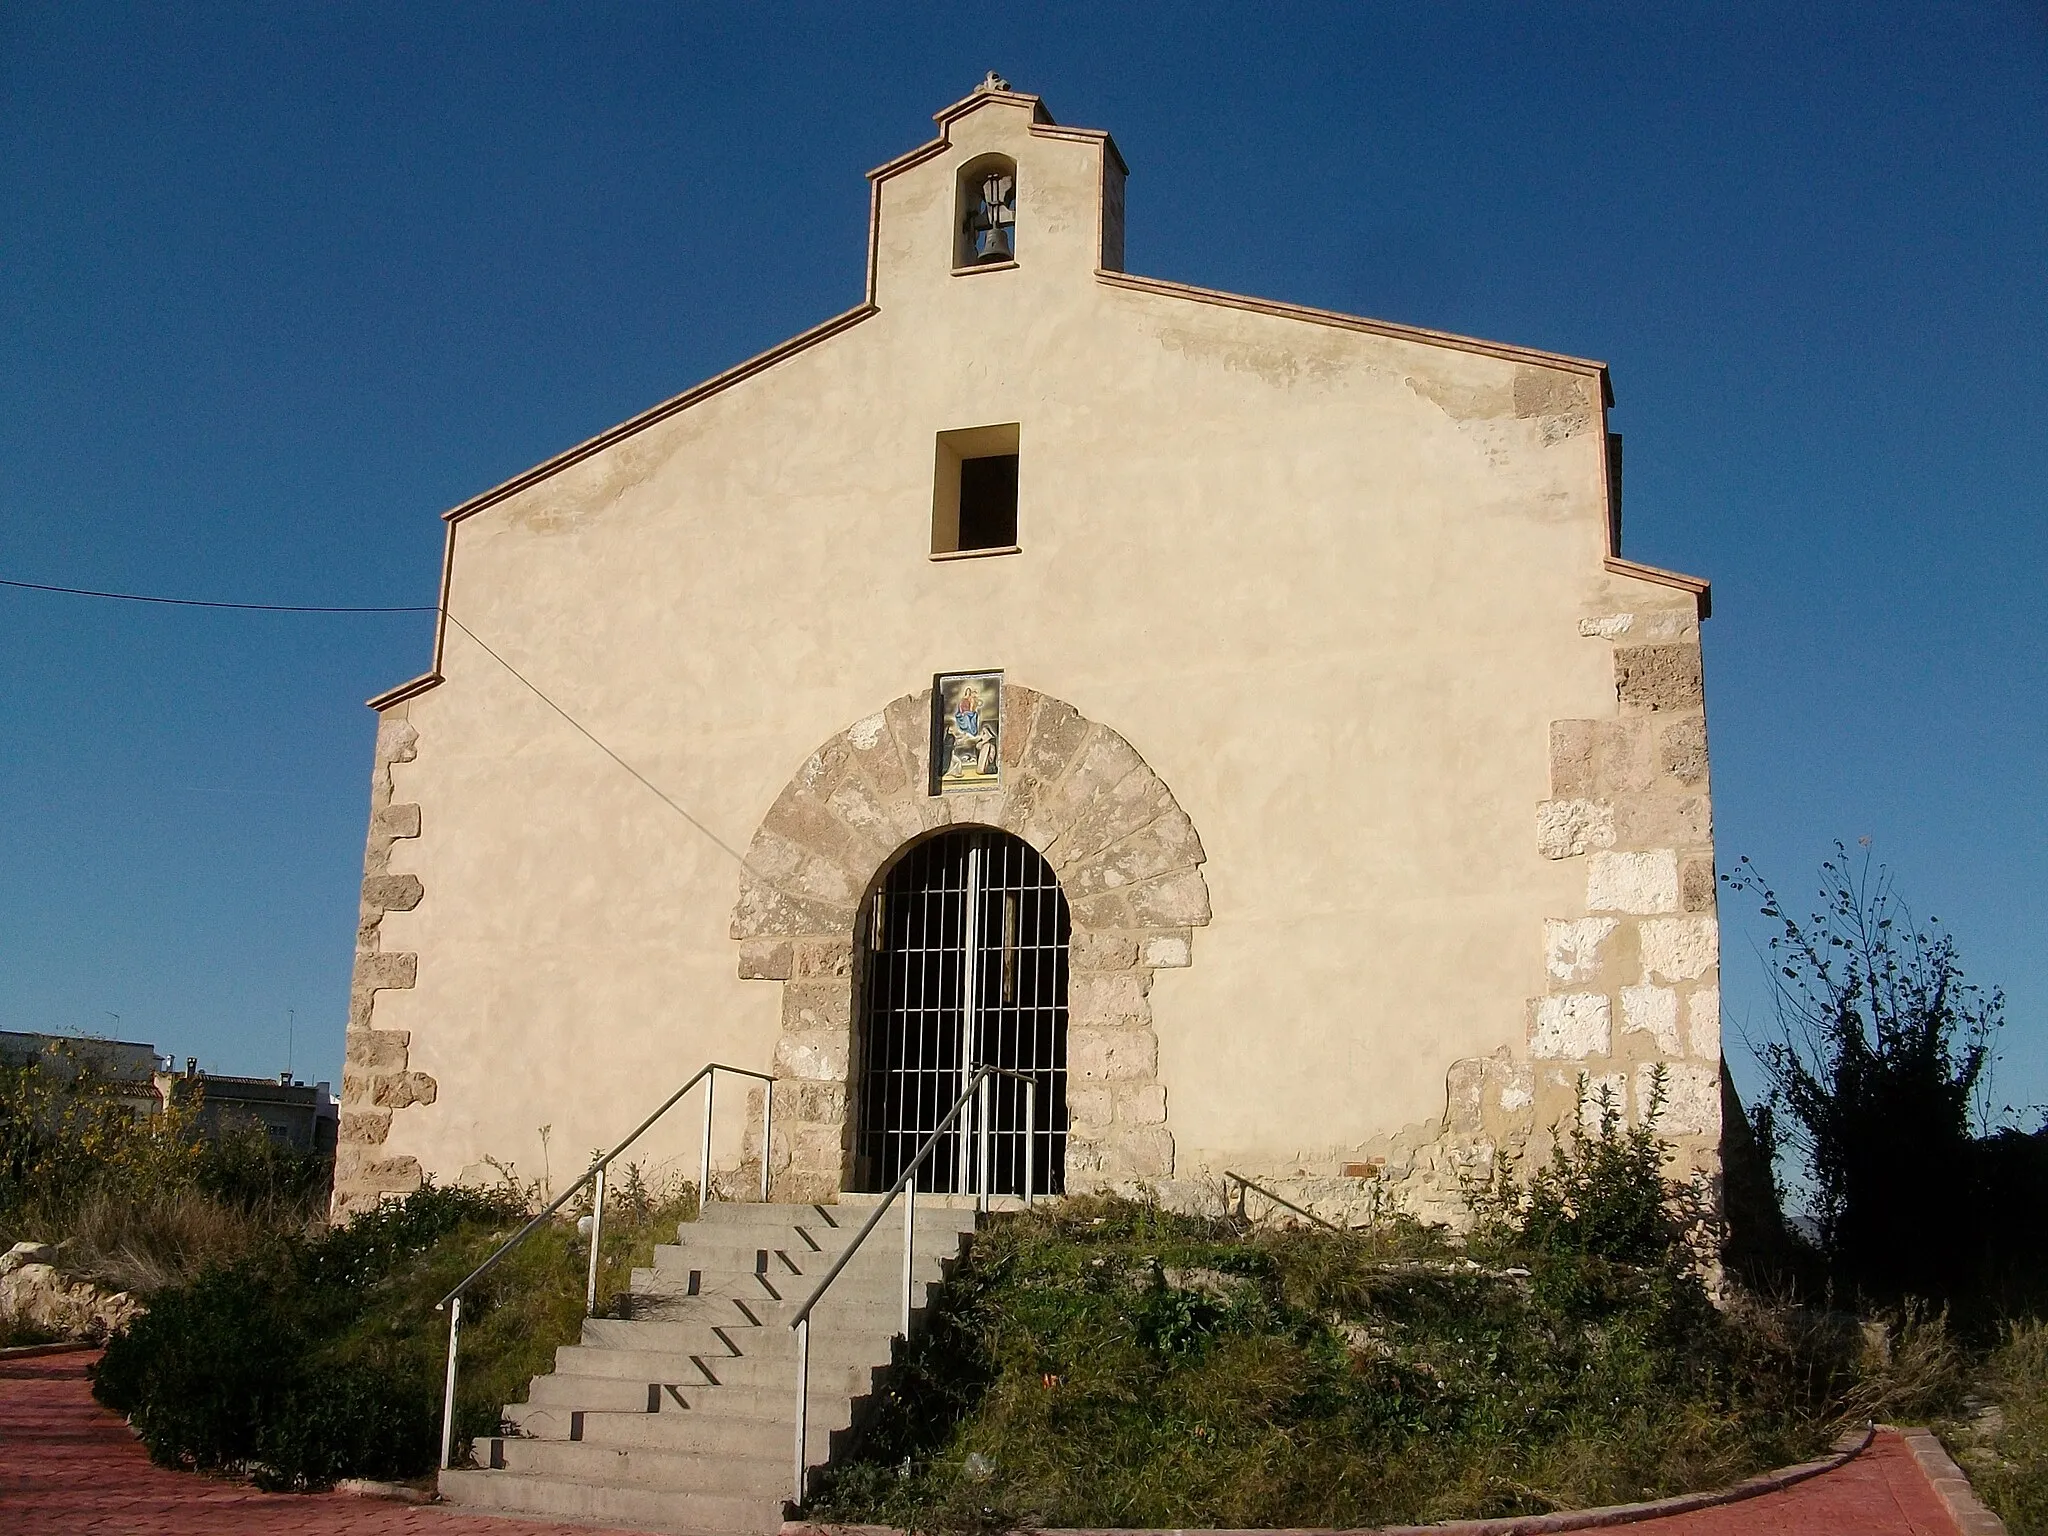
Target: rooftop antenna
x: 291, y: 1030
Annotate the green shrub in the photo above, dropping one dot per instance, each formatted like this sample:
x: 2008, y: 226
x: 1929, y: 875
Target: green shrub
x: 309, y: 1359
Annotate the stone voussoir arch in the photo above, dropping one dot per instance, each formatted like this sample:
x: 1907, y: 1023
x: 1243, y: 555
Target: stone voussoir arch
x: 1126, y: 855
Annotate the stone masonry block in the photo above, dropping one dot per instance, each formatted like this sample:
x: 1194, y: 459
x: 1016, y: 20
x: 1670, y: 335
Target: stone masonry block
x: 1633, y: 882
x: 397, y: 740
x: 1572, y: 948
x: 1116, y: 813
x: 1599, y: 759
x: 1572, y: 1027
x: 814, y: 1103
x: 1680, y: 948
x: 1108, y: 998
x: 812, y: 1005
x: 1516, y: 1087
x: 1091, y: 951
x: 1703, y: 1023
x: 1178, y: 900
x: 1168, y: 951
x: 766, y: 960
x: 1653, y: 1011
x: 821, y: 958
x: 364, y: 1127
x: 819, y: 1055
x: 1696, y: 885
x: 1565, y: 828
x: 765, y: 912
x: 1056, y: 735
x: 1140, y: 1152
x: 1692, y: 1097
x: 1664, y: 821
x: 1167, y: 843
x: 1089, y: 1105
x: 381, y: 970
x: 1682, y: 750
x: 392, y: 893
x: 1658, y: 677
x: 1141, y: 1104
x: 1571, y: 758
x: 401, y: 1090
x: 377, y: 1050
x: 1112, y: 1054
x: 395, y: 821
x: 397, y: 1174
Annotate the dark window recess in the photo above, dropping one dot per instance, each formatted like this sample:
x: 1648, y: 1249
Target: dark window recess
x: 988, y: 502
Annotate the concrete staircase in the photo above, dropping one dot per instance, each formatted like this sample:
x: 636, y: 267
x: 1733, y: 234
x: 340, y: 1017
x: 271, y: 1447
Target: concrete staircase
x: 681, y: 1415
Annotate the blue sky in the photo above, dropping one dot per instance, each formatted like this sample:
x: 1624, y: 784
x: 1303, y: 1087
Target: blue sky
x: 280, y: 284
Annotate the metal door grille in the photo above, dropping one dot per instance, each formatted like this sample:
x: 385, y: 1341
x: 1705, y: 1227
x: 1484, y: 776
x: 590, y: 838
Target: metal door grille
x: 966, y: 967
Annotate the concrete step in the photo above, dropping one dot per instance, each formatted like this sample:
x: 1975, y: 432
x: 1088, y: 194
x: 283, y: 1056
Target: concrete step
x: 684, y: 1431
x: 768, y: 1346
x: 850, y: 1213
x: 762, y: 1473
x: 657, y: 1298
x: 687, y: 1329
x: 631, y: 1389
x: 782, y: 1267
x: 776, y: 1253
x: 612, y: 1394
x: 648, y: 1509
x: 681, y: 1408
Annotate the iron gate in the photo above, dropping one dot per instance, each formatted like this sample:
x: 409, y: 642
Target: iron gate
x: 966, y: 967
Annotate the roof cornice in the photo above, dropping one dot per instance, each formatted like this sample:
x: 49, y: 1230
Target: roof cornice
x: 1342, y: 321
x: 718, y: 383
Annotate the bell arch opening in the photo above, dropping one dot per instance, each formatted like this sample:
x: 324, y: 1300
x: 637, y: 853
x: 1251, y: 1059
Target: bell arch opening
x: 964, y: 950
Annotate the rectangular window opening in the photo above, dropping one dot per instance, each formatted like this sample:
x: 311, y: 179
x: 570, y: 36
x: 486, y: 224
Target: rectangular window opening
x: 974, y: 500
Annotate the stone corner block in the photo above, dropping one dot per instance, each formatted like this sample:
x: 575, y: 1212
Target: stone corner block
x: 1572, y: 1026
x: 766, y: 959
x: 1658, y: 677
x: 1680, y: 948
x: 1633, y: 882
x: 376, y: 971
x: 1168, y: 951
x: 1565, y: 828
x: 392, y: 893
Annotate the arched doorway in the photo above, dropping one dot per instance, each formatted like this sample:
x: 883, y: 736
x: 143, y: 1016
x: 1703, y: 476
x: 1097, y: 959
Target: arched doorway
x: 965, y: 966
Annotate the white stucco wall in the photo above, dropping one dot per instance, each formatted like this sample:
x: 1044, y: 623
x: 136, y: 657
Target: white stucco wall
x: 1328, y: 582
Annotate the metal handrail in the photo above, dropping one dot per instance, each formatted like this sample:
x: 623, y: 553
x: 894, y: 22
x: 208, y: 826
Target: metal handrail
x: 1245, y: 1184
x: 595, y: 1175
x: 977, y: 1083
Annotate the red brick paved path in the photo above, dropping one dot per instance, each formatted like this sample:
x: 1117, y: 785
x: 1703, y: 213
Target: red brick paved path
x: 68, y: 1466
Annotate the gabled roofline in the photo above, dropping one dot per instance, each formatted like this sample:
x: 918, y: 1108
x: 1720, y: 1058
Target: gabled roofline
x: 1043, y: 125
x: 1342, y: 321
x: 716, y: 384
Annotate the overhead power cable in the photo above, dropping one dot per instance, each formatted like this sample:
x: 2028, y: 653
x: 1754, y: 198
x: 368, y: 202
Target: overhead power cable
x: 194, y: 602
x: 580, y: 728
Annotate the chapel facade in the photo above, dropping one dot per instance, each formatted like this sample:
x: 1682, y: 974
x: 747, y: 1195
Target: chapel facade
x: 1235, y: 719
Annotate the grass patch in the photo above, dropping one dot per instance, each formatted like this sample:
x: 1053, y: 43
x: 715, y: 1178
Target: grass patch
x: 1106, y: 1363
x: 2005, y: 1450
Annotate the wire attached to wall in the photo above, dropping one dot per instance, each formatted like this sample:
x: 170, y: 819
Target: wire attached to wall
x: 577, y: 725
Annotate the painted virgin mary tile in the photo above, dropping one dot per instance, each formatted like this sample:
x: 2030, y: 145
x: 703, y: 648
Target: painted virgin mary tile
x: 967, y: 725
